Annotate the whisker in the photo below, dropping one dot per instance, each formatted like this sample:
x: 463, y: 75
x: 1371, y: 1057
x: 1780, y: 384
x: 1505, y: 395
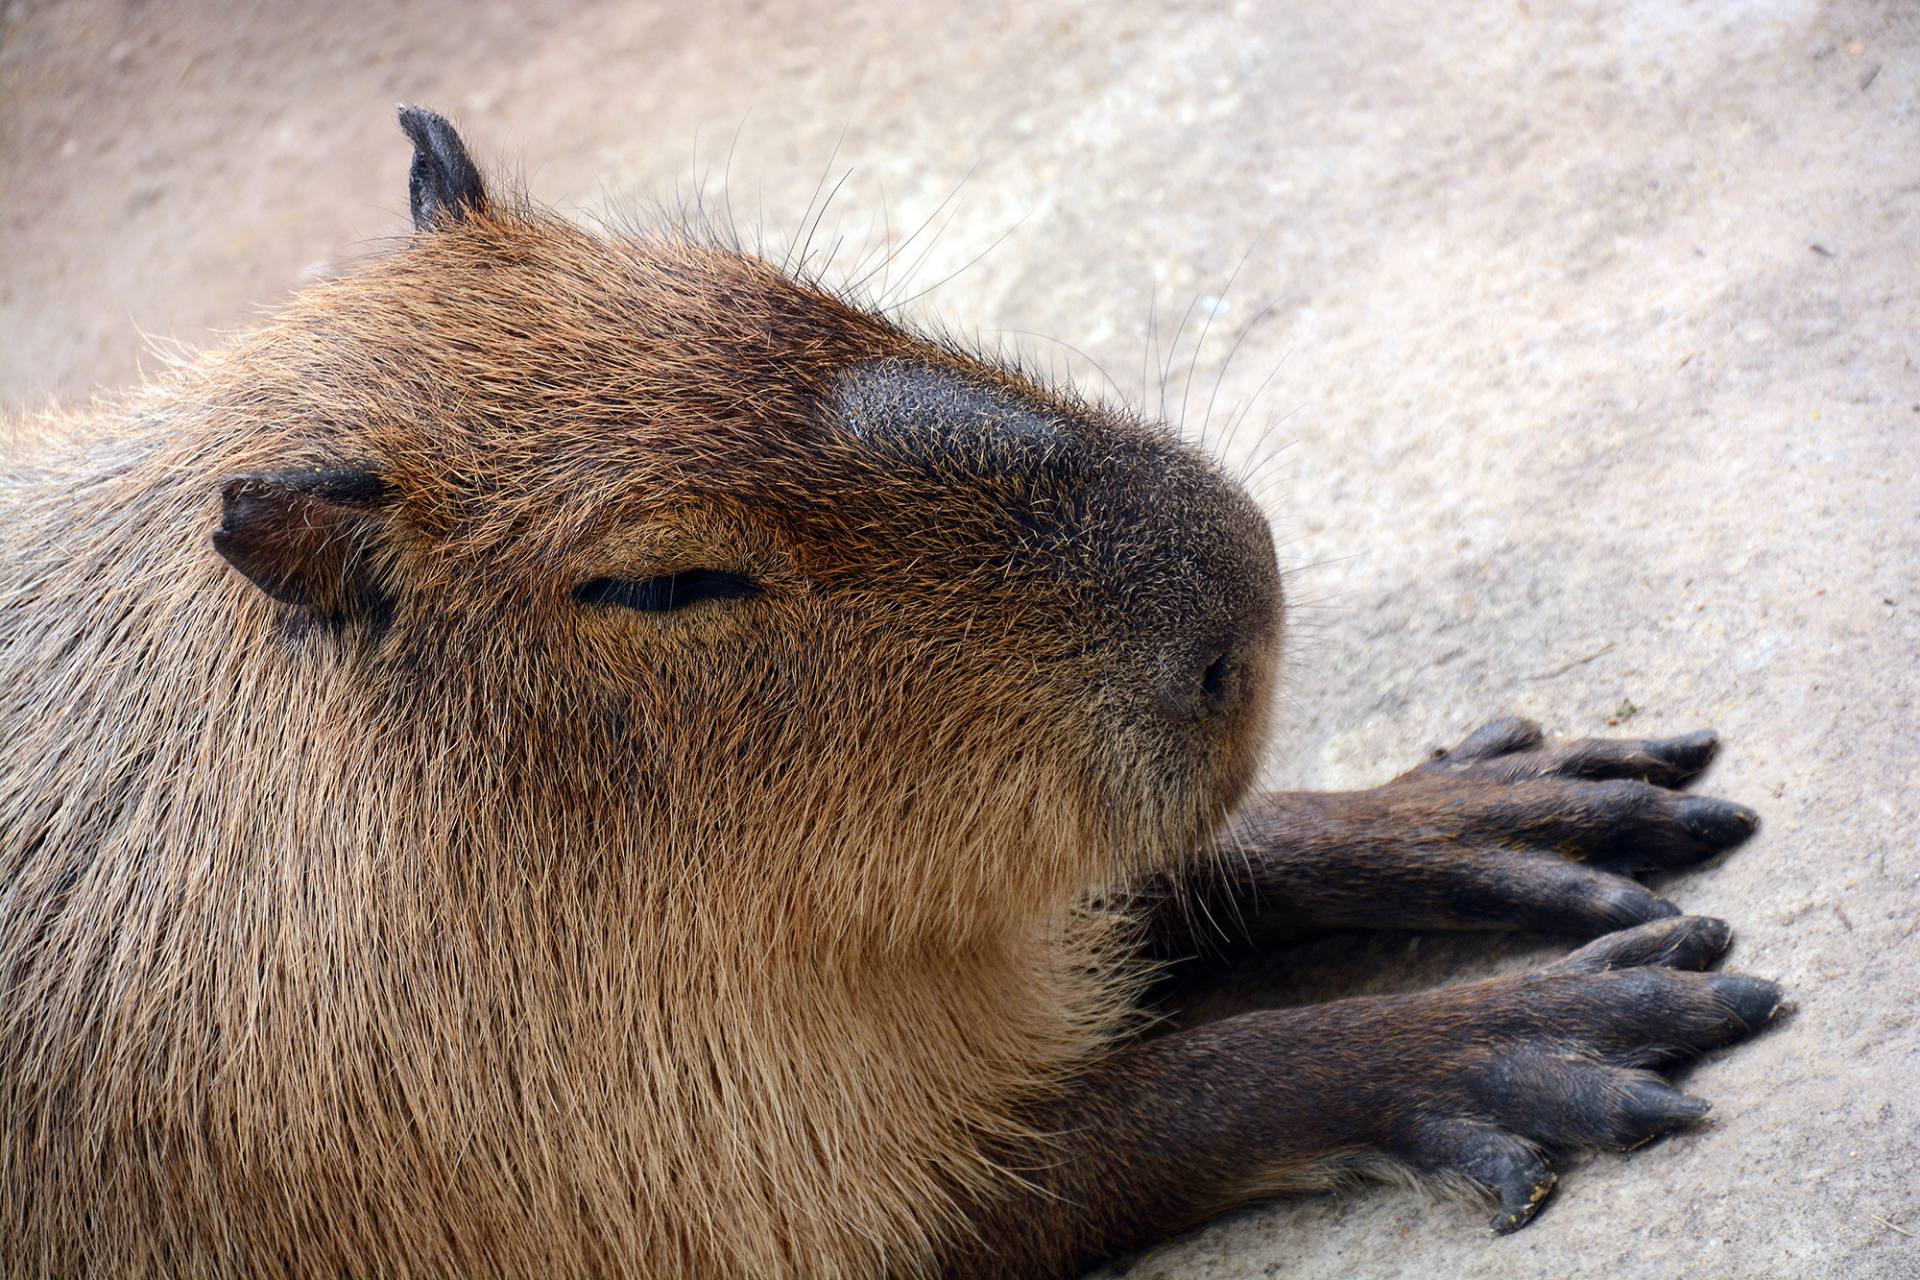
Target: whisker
x: 859, y: 271
x: 920, y: 260
x: 1256, y: 465
x: 806, y: 250
x: 1200, y: 343
x: 1045, y: 337
x: 1148, y: 346
x: 1221, y: 378
x: 827, y: 169
x: 998, y: 241
x: 726, y: 186
x: 1173, y: 350
x: 1233, y: 424
x: 887, y: 262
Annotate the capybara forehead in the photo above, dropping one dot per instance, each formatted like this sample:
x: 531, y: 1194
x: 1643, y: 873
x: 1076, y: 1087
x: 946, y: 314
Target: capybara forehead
x: 517, y: 371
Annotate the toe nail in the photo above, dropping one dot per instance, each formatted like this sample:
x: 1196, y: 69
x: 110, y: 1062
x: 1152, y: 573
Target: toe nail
x: 1715, y: 935
x: 1690, y: 748
x: 1508, y: 1223
x: 1663, y: 1104
x: 1754, y: 1000
x: 1648, y: 907
x: 1718, y: 822
x: 1516, y: 1213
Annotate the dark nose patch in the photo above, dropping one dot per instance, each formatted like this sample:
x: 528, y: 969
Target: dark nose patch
x: 939, y: 419
x: 1156, y: 561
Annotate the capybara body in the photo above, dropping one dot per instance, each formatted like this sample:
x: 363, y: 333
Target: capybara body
x: 450, y: 923
x: 574, y: 754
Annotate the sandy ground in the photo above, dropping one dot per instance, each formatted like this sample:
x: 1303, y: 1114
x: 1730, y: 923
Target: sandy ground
x: 1588, y: 331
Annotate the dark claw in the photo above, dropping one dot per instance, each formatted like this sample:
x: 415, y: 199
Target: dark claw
x: 1684, y: 942
x: 1644, y: 908
x: 1514, y: 1172
x: 1697, y: 944
x: 1499, y: 738
x: 1555, y: 895
x: 1500, y: 752
x: 1719, y: 823
x: 1496, y: 738
x: 1653, y: 1107
x: 1657, y: 1105
x: 1753, y: 1001
x: 1521, y: 1198
x: 1617, y: 824
x: 1688, y: 754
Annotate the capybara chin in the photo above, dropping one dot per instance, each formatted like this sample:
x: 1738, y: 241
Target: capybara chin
x: 566, y: 754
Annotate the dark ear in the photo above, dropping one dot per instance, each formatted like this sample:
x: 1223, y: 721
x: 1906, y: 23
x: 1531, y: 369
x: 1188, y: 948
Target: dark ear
x: 307, y: 537
x: 443, y: 182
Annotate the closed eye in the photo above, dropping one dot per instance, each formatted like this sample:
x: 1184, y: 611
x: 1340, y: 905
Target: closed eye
x: 667, y: 592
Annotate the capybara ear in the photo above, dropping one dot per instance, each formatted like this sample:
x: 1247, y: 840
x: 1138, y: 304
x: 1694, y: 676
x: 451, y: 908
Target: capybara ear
x: 443, y: 183
x: 309, y: 538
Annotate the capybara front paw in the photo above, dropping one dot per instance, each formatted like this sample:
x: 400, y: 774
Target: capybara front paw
x: 1602, y: 810
x: 1610, y: 801
x: 1519, y: 1069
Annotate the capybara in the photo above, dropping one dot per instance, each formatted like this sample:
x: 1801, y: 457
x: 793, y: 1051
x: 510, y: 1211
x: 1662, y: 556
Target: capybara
x: 579, y: 754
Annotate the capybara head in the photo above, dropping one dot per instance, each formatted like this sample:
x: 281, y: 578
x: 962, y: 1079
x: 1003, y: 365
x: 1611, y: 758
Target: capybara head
x: 620, y: 793
x: 714, y: 568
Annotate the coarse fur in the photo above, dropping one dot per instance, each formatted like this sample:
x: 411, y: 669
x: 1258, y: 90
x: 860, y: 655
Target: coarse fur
x: 450, y: 926
x: 577, y: 754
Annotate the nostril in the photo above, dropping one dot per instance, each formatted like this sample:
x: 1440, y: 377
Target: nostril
x: 1213, y: 681
x: 1195, y: 692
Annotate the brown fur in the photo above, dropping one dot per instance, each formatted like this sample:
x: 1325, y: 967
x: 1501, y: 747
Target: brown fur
x: 374, y: 903
x: 504, y: 935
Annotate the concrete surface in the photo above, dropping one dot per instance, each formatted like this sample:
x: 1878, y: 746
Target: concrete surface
x: 1589, y: 329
